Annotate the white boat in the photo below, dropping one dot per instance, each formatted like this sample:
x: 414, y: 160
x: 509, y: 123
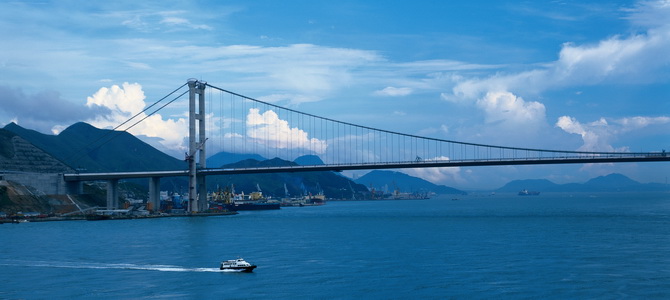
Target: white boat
x: 237, y: 265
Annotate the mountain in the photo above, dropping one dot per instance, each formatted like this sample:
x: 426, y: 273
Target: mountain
x: 17, y: 154
x: 610, y: 183
x: 528, y: 184
x: 297, y: 183
x: 308, y: 160
x: 79, y: 146
x: 403, y: 182
x: 224, y: 158
x: 83, y: 146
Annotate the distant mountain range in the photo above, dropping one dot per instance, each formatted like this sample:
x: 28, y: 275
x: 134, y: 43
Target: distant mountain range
x: 224, y: 158
x: 309, y: 160
x: 611, y: 183
x: 390, y: 181
x: 331, y: 184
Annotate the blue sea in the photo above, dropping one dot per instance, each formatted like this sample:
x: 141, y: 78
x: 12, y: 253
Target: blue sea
x: 557, y: 246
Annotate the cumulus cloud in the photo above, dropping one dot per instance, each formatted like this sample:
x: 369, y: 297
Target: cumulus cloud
x: 507, y: 108
x: 127, y: 100
x: 639, y: 57
x: 598, y: 135
x: 268, y: 129
x: 393, y: 91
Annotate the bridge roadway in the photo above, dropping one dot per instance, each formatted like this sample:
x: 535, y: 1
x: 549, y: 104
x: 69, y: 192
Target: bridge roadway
x: 644, y: 157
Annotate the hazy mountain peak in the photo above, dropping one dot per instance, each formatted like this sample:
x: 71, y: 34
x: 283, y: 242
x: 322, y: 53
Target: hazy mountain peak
x: 309, y: 160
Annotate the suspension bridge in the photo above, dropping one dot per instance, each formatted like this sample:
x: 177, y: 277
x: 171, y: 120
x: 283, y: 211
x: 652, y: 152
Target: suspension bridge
x: 225, y: 121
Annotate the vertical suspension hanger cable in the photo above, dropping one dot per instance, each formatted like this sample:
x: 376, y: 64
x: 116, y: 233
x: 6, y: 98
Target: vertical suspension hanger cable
x: 234, y: 124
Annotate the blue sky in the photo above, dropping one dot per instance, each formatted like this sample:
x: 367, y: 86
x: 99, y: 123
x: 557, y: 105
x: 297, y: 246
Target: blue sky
x: 570, y: 75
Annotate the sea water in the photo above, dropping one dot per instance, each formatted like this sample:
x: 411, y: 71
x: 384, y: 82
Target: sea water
x: 560, y: 246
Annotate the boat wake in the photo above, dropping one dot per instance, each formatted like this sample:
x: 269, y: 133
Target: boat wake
x: 74, y: 265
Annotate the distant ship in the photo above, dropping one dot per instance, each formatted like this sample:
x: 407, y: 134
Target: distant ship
x: 528, y: 193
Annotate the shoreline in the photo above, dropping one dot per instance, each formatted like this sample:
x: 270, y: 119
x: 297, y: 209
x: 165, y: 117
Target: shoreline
x: 104, y: 218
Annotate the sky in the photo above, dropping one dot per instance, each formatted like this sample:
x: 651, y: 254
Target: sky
x: 566, y: 75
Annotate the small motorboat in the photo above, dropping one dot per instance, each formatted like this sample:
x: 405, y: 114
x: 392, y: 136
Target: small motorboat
x: 237, y: 265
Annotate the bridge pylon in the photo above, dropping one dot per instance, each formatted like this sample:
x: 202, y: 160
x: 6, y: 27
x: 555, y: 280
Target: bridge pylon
x: 197, y: 187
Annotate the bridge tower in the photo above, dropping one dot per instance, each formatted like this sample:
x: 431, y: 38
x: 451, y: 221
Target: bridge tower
x: 197, y: 188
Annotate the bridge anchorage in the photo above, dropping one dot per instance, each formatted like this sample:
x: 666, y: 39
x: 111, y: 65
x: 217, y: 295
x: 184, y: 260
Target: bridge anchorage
x: 248, y: 125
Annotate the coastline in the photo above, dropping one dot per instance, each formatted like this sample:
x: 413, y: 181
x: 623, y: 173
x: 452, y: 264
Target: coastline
x: 119, y: 217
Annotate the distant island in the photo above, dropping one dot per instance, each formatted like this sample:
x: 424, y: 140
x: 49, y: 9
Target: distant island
x: 390, y: 180
x: 610, y: 183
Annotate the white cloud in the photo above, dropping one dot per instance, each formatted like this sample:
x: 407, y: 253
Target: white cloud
x: 618, y: 59
x: 595, y: 135
x: 635, y: 123
x: 650, y: 14
x: 393, y: 91
x: 176, y: 21
x: 598, y: 135
x: 444, y: 128
x: 268, y: 129
x: 507, y: 108
x: 149, y: 20
x: 126, y: 101
x: 450, y: 175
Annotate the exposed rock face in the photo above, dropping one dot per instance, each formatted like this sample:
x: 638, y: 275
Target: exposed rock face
x: 26, y: 174
x: 15, y: 197
x: 18, y: 155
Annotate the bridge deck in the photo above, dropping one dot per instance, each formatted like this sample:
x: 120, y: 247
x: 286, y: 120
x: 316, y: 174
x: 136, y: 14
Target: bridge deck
x: 651, y: 157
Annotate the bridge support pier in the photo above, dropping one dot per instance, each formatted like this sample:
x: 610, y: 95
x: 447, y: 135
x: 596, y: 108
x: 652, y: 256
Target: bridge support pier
x: 197, y: 197
x: 155, y: 192
x: 113, y: 194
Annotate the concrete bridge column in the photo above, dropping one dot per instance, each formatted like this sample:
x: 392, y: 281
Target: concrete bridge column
x: 196, y: 114
x: 113, y: 194
x: 155, y: 192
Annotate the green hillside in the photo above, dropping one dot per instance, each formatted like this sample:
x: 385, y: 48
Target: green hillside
x: 90, y: 149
